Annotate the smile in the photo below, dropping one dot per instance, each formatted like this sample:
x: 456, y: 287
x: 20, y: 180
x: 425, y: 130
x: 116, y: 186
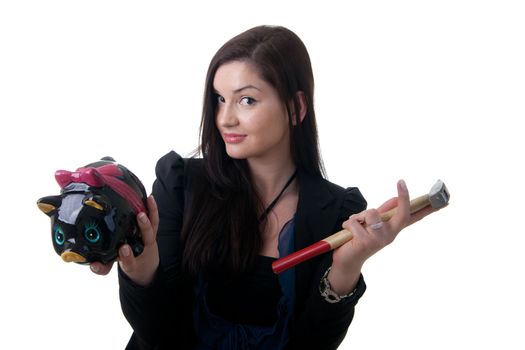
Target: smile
x: 233, y: 138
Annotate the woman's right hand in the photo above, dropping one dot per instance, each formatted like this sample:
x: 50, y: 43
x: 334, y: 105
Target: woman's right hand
x: 140, y: 269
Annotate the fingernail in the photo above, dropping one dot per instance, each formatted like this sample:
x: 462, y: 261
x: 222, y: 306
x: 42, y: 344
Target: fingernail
x: 143, y: 218
x: 125, y: 251
x: 94, y: 268
x: 403, y: 185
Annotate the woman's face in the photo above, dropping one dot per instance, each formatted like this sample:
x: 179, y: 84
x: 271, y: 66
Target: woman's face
x: 250, y: 116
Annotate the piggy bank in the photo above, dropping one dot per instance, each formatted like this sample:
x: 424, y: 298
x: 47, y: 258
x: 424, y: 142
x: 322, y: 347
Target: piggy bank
x: 95, y: 212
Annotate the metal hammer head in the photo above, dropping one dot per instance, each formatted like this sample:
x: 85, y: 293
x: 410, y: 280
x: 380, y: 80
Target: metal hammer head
x: 439, y: 195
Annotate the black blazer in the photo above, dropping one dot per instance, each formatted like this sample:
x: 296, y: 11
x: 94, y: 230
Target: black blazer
x: 161, y: 314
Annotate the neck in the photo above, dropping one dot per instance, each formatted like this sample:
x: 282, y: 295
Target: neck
x: 270, y: 177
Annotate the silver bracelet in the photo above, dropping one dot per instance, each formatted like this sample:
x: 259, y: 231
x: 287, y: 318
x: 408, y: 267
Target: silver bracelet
x: 328, y: 294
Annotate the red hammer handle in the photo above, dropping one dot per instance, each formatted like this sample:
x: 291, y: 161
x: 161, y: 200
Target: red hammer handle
x: 336, y: 240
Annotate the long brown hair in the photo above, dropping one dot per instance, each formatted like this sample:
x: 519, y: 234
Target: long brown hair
x: 221, y: 227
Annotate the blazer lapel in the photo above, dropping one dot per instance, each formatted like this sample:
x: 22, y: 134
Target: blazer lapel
x: 317, y: 214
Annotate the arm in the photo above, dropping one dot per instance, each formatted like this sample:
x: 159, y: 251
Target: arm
x: 371, y: 234
x: 152, y: 303
x: 322, y: 325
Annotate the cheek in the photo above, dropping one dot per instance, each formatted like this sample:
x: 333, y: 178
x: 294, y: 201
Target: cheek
x: 278, y: 126
x: 271, y: 119
x: 272, y: 134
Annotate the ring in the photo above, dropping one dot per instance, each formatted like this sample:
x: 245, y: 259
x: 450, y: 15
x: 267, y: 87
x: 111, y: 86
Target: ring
x: 376, y: 226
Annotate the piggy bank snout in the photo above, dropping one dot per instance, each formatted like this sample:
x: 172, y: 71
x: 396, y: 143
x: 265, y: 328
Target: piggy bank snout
x: 70, y: 256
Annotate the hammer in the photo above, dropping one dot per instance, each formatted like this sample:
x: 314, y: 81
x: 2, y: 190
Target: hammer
x: 437, y: 198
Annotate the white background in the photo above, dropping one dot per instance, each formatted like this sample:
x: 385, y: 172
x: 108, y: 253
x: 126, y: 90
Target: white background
x: 418, y: 90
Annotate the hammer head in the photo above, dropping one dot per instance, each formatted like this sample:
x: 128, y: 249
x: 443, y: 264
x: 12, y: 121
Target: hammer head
x: 439, y: 195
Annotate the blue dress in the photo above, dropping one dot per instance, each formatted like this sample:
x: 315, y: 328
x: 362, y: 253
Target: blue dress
x: 216, y: 332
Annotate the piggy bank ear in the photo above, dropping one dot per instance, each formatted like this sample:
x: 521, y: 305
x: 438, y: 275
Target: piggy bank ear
x: 49, y: 204
x: 97, y: 202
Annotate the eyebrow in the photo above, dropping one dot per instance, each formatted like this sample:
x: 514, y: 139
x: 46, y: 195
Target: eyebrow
x: 240, y: 89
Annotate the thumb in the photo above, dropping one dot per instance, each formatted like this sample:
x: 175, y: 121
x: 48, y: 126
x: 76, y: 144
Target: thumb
x: 402, y: 215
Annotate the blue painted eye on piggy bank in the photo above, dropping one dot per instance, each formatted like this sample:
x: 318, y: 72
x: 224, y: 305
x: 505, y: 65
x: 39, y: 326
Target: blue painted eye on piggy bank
x: 95, y: 212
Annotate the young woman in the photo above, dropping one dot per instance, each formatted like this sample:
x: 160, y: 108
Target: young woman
x: 216, y: 223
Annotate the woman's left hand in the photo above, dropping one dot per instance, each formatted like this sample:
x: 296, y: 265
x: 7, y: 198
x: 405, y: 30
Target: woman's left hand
x: 370, y: 235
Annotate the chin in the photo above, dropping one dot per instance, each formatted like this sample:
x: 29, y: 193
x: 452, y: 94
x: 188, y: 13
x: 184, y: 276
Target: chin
x: 236, y: 154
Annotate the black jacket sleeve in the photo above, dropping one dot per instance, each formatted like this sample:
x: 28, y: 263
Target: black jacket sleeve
x: 159, y: 313
x: 322, y: 325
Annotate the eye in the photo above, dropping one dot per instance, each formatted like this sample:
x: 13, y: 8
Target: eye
x: 247, y: 101
x: 219, y: 98
x: 59, y: 235
x: 92, y: 233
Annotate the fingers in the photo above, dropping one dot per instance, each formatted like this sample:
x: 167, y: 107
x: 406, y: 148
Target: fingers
x: 366, y: 225
x: 370, y: 234
x: 101, y: 269
x: 148, y: 225
x: 354, y: 223
x: 153, y: 212
x: 140, y: 269
x: 370, y: 219
x: 367, y: 218
x: 388, y: 205
x: 126, y: 258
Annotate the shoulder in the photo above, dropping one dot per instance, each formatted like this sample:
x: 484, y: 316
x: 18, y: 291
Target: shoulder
x: 352, y: 198
x: 319, y: 189
x: 174, y: 169
x: 175, y: 178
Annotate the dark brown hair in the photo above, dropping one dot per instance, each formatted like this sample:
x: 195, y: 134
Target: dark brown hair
x: 222, y: 227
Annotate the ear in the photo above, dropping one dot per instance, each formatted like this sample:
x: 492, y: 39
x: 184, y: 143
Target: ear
x: 301, y: 98
x: 49, y: 204
x: 97, y: 202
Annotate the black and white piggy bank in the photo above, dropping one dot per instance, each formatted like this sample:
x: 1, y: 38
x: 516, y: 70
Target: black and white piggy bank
x: 95, y: 212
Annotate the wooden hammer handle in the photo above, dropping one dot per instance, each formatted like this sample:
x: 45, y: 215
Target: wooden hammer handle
x: 338, y: 239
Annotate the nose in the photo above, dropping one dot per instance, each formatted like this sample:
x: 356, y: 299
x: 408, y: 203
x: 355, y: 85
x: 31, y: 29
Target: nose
x: 226, y: 115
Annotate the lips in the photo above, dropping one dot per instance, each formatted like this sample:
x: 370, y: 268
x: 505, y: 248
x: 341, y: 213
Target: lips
x: 233, y: 138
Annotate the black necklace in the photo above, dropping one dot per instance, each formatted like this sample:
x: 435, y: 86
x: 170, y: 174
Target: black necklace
x: 272, y: 204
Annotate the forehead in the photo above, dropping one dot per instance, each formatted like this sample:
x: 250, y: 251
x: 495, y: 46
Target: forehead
x: 235, y: 75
